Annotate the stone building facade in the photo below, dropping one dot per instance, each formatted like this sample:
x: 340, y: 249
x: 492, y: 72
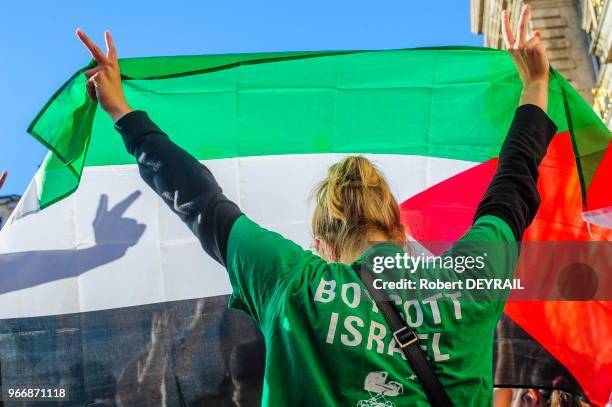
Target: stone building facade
x: 597, y: 22
x: 7, y: 205
x: 577, y: 34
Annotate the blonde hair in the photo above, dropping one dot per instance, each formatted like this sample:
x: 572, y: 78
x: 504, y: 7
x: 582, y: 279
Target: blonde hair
x: 352, y: 201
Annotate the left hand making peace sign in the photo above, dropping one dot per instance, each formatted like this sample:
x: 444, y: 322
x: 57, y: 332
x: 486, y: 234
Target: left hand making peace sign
x: 529, y: 56
x: 528, y: 52
x: 104, y: 80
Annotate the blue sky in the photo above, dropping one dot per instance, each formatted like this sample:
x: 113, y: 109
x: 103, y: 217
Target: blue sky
x: 38, y: 49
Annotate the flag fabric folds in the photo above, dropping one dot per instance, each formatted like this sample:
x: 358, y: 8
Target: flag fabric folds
x: 90, y: 247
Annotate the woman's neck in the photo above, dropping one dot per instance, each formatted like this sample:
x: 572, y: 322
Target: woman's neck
x: 373, y: 236
x: 377, y: 236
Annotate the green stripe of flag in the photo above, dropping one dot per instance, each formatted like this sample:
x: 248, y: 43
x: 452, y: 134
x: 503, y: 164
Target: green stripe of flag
x: 454, y: 102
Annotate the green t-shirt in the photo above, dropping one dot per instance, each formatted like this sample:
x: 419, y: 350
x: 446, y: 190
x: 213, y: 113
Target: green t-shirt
x: 327, y: 343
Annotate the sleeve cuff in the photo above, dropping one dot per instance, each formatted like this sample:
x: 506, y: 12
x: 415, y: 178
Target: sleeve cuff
x: 133, y: 126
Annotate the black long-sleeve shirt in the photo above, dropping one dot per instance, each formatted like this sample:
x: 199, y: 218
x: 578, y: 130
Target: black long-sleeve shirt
x: 187, y: 186
x: 191, y: 191
x: 513, y: 194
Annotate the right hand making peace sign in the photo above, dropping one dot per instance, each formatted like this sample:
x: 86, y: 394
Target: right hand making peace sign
x: 104, y: 80
x: 529, y: 56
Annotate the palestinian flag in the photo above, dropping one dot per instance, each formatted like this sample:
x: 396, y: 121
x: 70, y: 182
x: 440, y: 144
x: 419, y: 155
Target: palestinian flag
x: 96, y: 272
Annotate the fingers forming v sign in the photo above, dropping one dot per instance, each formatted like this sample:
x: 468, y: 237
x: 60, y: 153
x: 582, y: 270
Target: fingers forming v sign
x: 98, y: 56
x: 104, y: 80
x: 528, y: 52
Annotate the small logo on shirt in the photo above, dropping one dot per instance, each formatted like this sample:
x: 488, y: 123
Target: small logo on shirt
x: 379, y: 389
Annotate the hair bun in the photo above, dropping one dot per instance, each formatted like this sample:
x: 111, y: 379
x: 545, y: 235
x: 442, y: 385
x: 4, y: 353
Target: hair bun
x: 352, y: 200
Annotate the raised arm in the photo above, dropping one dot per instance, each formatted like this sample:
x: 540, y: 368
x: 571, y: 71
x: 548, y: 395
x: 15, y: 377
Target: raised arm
x: 187, y: 186
x: 513, y: 195
x: 3, y: 178
x: 260, y: 263
x: 511, y: 200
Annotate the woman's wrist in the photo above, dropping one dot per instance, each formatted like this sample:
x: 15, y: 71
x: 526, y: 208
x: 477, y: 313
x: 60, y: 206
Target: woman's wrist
x: 118, y: 113
x: 535, y: 93
x: 536, y: 85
